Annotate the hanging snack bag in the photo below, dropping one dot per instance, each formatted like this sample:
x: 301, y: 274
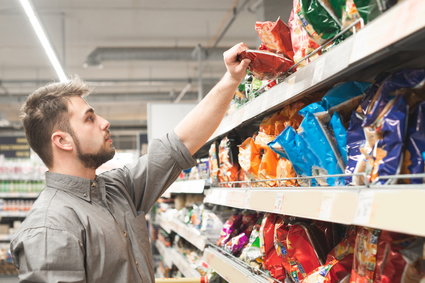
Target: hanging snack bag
x: 356, y: 139
x: 285, y: 170
x: 271, y: 261
x: 276, y: 37
x: 236, y: 244
x: 338, y: 263
x: 391, y: 87
x: 415, y: 148
x: 299, y: 247
x: 229, y: 168
x: 302, y: 43
x: 213, y: 163
x: 318, y: 21
x: 266, y: 65
x: 249, y: 157
x: 340, y: 134
x: 311, y: 131
x: 268, y: 165
x: 290, y: 145
x: 391, y: 127
x: 382, y: 256
x: 251, y: 254
x: 229, y: 229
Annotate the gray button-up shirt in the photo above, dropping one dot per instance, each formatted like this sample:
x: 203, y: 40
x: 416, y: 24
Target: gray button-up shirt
x: 81, y: 230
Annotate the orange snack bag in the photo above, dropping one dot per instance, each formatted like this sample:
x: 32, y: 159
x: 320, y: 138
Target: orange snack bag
x: 249, y: 156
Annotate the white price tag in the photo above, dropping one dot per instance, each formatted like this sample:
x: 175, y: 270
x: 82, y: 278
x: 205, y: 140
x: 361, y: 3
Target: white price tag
x: 326, y: 206
x: 318, y: 70
x: 364, y: 208
x: 278, y: 202
x: 290, y: 85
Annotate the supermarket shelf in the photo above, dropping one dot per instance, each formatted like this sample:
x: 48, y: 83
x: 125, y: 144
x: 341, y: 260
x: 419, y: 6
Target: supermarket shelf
x: 18, y: 195
x: 371, y: 44
x: 188, y: 187
x: 190, y: 234
x: 171, y: 256
x: 164, y: 223
x: 184, y: 265
x: 371, y: 207
x: 229, y: 269
x: 394, y: 209
x: 165, y: 253
x: 13, y: 214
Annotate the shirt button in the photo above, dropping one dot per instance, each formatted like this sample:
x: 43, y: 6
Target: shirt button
x: 125, y: 234
x: 137, y: 263
x: 85, y: 195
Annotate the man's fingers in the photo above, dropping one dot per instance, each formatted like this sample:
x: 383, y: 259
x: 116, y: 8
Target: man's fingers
x: 245, y: 63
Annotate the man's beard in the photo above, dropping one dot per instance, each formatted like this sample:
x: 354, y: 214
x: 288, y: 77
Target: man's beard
x: 93, y: 161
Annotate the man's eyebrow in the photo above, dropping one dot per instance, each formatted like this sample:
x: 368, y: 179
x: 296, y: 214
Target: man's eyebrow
x: 90, y: 110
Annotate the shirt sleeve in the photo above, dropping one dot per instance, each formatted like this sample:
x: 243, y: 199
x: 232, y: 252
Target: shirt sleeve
x: 48, y: 255
x: 154, y: 172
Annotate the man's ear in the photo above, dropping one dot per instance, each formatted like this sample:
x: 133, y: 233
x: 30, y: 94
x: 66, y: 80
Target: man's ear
x: 62, y: 140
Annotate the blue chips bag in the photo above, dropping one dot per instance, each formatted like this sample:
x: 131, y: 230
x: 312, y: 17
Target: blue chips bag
x: 391, y: 126
x: 415, y: 147
x: 296, y: 150
x: 340, y: 134
x: 313, y: 134
x: 405, y: 79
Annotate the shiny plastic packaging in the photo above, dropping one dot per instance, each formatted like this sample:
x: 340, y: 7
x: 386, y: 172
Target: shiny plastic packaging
x: 296, y: 150
x: 276, y: 37
x: 266, y: 65
x: 415, y: 148
x: 302, y: 43
x: 313, y: 134
x: 317, y: 21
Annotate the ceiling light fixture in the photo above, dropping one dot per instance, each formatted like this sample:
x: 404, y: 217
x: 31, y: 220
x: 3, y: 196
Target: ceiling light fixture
x: 39, y: 31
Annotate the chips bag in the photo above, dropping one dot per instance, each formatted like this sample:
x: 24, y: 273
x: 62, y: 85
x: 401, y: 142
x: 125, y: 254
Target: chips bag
x: 338, y: 263
x: 276, y: 37
x: 413, y: 159
x: 318, y: 21
x: 266, y: 65
x: 213, y: 163
x: 382, y: 256
x: 302, y: 42
x: 249, y: 157
x: 271, y: 261
x: 229, y: 167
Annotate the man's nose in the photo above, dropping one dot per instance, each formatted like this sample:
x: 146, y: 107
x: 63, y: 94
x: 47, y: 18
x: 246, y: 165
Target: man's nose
x: 104, y: 124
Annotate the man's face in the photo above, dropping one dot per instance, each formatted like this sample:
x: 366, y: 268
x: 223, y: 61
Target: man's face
x: 91, y: 134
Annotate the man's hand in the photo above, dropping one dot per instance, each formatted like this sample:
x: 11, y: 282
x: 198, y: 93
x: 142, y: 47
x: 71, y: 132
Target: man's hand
x: 235, y: 68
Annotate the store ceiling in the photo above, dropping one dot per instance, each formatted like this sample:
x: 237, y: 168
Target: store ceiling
x: 131, y: 52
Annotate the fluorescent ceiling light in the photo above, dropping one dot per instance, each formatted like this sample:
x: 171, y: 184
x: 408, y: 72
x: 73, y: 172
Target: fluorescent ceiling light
x: 43, y: 39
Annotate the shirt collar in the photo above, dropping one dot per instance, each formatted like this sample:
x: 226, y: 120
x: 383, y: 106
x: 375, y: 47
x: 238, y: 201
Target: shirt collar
x: 83, y: 188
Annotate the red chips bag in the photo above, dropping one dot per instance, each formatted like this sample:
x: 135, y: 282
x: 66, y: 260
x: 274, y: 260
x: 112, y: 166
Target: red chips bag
x: 276, y: 37
x: 266, y: 65
x: 272, y: 261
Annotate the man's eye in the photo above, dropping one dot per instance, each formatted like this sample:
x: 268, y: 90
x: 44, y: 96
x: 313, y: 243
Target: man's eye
x: 90, y: 118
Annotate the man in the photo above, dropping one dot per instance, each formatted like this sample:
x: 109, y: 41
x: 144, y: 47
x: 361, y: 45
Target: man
x: 88, y: 228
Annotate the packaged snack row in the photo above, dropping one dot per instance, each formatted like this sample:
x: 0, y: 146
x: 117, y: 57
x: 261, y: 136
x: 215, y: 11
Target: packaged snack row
x: 301, y: 250
x: 365, y: 130
x: 314, y: 26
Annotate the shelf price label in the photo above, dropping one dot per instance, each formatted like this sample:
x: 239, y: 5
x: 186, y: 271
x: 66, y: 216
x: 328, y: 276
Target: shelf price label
x: 364, y: 208
x: 278, y: 202
x: 326, y: 206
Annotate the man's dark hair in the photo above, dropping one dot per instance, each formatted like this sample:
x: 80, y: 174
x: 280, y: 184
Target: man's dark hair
x: 46, y: 111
